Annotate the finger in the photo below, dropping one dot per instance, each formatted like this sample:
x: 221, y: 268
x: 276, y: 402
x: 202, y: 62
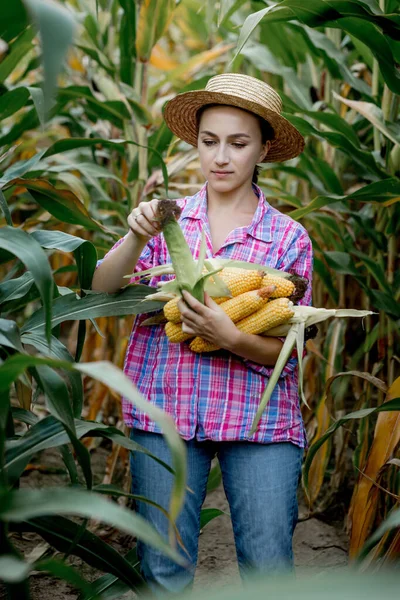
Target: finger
x: 208, y: 301
x: 194, y: 304
x: 187, y: 329
x: 141, y: 221
x: 149, y: 210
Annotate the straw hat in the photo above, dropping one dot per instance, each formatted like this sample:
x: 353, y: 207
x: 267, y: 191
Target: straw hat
x: 243, y: 91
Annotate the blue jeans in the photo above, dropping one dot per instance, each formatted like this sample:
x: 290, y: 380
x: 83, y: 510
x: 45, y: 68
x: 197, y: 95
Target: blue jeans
x: 260, y: 482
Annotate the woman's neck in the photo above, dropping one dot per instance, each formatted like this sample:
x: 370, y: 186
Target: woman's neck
x: 241, y: 200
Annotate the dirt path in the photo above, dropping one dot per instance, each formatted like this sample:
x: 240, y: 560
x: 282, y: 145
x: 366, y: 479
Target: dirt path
x: 317, y: 547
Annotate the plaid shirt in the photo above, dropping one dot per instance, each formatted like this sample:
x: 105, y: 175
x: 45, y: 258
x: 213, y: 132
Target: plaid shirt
x: 215, y: 396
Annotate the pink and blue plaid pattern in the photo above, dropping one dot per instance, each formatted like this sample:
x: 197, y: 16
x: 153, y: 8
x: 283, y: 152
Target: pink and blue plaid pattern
x: 215, y: 396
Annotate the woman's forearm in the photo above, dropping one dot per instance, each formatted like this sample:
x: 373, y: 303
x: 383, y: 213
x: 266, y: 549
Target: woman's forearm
x: 259, y: 349
x: 109, y: 276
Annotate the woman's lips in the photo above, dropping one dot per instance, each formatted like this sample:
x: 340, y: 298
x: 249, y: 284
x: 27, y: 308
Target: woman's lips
x: 222, y: 173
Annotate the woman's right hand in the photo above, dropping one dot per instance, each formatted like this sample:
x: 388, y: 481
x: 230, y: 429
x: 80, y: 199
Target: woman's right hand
x: 143, y: 221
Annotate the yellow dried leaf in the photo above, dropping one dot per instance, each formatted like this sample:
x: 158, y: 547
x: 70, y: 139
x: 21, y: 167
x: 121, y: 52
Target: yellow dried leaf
x: 365, y: 498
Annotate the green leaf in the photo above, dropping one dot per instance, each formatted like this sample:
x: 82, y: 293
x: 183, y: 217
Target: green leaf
x: 341, y: 262
x: 6, y: 210
x: 374, y: 115
x: 265, y: 60
x: 9, y: 335
x: 19, y: 48
x: 16, y: 288
x: 60, y: 352
x: 24, y: 247
x: 12, y: 101
x: 375, y: 269
x: 110, y: 375
x: 13, y: 570
x: 62, y: 204
x: 94, y: 305
x: 209, y: 514
x: 84, y: 251
x: 23, y: 415
x: 110, y: 586
x: 385, y: 192
x: 21, y: 505
x: 14, y: 19
x: 127, y: 42
x: 338, y: 140
x: 57, y: 397
x: 353, y: 17
x: 335, y: 60
x: 50, y: 433
x: 20, y: 167
x: 56, y: 27
x: 61, y: 532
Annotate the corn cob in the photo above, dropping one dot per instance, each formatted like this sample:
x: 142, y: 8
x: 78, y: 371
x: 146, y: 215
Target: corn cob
x: 270, y: 315
x: 284, y: 288
x: 175, y: 333
x: 293, y: 287
x: 241, y: 280
x: 172, y: 312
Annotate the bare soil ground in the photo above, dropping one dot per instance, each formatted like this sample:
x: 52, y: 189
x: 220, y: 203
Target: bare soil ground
x: 318, y: 546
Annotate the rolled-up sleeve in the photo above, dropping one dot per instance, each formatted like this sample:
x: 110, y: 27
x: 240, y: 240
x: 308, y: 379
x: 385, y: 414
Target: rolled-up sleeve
x: 146, y: 259
x: 297, y: 260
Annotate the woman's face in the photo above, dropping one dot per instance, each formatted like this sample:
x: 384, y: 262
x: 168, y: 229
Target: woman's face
x: 230, y: 146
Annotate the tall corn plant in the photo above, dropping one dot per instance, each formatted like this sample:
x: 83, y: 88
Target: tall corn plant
x: 33, y: 360
x: 341, y: 87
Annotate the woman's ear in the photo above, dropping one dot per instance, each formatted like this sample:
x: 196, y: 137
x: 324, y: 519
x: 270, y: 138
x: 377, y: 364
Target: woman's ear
x: 265, y: 150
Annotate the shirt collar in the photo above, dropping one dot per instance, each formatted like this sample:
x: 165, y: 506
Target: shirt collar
x: 259, y: 228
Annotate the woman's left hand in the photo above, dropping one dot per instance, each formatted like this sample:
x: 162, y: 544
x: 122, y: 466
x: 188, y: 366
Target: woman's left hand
x: 207, y: 320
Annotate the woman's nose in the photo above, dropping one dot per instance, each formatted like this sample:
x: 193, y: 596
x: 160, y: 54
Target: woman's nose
x: 222, y: 155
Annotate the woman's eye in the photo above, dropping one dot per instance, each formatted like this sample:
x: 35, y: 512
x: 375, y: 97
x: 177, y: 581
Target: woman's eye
x: 208, y: 142
x: 237, y: 145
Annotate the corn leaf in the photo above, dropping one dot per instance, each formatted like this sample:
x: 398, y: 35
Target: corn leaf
x: 61, y: 532
x: 94, y: 305
x: 283, y: 357
x: 56, y: 26
x: 29, y: 251
x: 21, y: 505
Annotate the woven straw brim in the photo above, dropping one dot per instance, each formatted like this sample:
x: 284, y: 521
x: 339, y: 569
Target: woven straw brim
x: 180, y: 116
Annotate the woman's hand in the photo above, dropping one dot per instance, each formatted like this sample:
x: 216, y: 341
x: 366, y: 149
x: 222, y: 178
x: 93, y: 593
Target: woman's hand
x: 208, y: 321
x: 143, y: 221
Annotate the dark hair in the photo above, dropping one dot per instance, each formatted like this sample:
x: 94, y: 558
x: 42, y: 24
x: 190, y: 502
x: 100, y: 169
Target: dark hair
x: 267, y: 132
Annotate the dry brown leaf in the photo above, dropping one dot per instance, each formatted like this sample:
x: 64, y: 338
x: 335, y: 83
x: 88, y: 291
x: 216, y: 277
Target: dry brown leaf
x: 365, y: 497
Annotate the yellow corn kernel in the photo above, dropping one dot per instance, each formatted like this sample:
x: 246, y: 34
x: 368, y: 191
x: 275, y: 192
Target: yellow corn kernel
x: 241, y: 280
x: 175, y: 333
x: 200, y: 345
x: 237, y: 309
x: 284, y: 287
x: 245, y: 304
x: 172, y: 312
x: 274, y: 313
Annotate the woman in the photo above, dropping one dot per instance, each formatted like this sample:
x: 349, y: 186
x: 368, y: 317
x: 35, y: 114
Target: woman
x: 235, y: 124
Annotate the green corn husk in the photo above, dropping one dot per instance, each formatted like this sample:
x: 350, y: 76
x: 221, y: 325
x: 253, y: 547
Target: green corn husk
x: 305, y: 316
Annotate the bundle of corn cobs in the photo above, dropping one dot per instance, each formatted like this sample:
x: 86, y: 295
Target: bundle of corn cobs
x: 258, y: 302
x: 259, y: 299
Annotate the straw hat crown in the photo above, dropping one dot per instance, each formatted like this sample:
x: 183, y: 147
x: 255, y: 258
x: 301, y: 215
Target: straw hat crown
x: 241, y: 91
